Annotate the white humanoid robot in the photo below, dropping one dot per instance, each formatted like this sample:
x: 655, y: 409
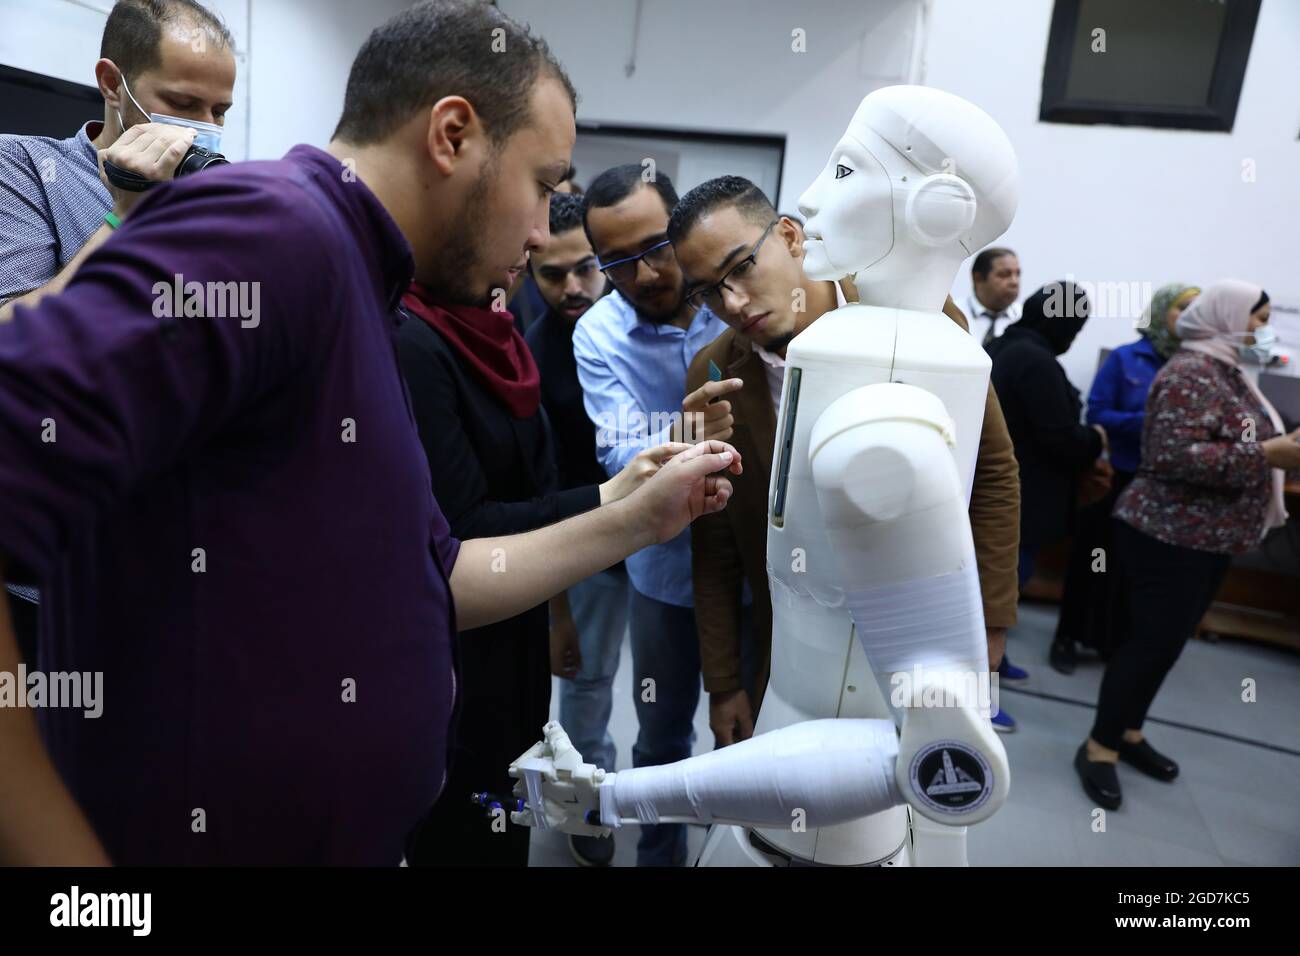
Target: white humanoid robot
x: 873, y: 745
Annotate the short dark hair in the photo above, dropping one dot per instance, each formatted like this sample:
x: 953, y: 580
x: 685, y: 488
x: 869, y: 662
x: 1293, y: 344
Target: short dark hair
x: 446, y: 48
x: 566, y: 212
x: 617, y: 183
x: 133, y: 34
x: 713, y: 194
x: 984, y: 261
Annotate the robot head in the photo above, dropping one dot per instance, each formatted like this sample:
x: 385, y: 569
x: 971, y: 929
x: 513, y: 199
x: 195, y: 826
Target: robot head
x: 919, y: 174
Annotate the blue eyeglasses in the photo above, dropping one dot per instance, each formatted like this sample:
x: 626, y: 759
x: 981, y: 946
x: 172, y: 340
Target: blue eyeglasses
x: 624, y: 270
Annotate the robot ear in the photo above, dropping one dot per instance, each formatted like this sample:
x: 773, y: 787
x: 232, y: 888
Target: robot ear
x: 940, y: 209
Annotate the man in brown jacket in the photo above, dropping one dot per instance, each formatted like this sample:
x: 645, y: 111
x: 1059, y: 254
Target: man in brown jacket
x: 726, y: 230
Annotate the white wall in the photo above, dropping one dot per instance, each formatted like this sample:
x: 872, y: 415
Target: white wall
x: 292, y: 59
x: 727, y: 65
x: 301, y: 53
x: 1130, y: 204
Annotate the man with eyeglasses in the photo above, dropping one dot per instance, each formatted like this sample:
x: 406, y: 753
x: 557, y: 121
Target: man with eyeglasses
x: 633, y: 348
x: 744, y: 262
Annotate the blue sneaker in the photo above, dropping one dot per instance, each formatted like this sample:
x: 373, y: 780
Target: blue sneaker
x: 1003, y: 722
x: 1009, y: 671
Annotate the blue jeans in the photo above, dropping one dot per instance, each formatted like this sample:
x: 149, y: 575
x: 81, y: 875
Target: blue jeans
x: 599, y: 609
x: 665, y: 650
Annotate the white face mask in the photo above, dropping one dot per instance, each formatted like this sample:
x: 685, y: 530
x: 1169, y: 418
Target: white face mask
x: 206, y: 135
x: 1262, y: 350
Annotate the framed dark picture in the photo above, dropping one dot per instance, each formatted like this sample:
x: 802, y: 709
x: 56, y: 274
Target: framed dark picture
x: 689, y: 157
x: 1165, y: 63
x: 35, y: 105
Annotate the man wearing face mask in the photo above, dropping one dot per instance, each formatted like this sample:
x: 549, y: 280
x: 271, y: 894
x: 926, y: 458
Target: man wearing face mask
x: 55, y: 209
x: 166, y: 71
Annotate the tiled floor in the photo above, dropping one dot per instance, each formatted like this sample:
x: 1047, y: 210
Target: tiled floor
x: 1236, y: 802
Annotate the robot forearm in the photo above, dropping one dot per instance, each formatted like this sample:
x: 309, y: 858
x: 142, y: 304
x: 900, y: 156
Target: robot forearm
x: 817, y: 773
x: 814, y: 774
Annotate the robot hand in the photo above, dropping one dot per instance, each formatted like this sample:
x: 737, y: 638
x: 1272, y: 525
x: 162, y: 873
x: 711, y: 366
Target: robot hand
x: 556, y: 789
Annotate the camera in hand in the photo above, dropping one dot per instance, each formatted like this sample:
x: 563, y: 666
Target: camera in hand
x: 195, y: 159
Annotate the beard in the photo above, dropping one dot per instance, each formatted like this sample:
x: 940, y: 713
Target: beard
x: 778, y: 345
x: 659, y: 316
x: 461, y: 254
x: 577, y: 302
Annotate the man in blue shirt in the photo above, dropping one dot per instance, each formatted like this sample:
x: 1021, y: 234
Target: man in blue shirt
x: 633, y: 348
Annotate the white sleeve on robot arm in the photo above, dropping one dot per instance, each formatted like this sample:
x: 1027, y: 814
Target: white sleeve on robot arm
x: 817, y: 773
x: 895, y: 512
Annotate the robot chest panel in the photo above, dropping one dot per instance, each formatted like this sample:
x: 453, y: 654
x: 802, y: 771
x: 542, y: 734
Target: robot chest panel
x: 861, y: 345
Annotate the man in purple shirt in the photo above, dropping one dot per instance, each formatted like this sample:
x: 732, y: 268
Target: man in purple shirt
x: 268, y: 593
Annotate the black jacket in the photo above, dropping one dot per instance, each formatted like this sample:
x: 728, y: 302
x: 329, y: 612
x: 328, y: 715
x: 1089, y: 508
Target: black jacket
x: 551, y: 340
x: 1043, y: 414
x: 492, y: 475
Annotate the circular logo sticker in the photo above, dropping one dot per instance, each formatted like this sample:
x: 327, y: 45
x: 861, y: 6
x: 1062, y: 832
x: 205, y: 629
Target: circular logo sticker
x: 951, y: 777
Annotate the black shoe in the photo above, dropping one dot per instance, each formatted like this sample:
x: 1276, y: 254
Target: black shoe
x: 1100, y: 781
x: 1149, y: 760
x: 592, y: 851
x: 1062, y: 658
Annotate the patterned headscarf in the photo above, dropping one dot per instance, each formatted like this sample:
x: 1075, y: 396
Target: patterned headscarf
x: 1153, y: 327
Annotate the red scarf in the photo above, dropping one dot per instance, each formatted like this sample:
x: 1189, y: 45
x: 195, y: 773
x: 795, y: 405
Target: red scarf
x: 490, y: 344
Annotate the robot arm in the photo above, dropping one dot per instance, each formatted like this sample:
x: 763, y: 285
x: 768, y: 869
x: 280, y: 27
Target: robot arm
x: 895, y: 513
x: 814, y: 774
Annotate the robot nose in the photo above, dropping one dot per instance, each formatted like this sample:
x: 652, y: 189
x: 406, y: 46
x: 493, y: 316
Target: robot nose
x: 808, y: 203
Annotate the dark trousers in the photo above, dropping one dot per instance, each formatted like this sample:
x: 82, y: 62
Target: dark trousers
x: 1094, y: 605
x: 1169, y: 590
x: 504, y: 679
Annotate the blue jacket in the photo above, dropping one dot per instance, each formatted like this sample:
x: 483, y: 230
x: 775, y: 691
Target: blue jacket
x: 1117, y: 401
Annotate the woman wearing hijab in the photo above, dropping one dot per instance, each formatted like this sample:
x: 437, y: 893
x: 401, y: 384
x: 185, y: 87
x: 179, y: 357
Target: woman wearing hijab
x: 476, y: 396
x: 1092, y: 608
x: 1044, y: 413
x: 1209, y: 486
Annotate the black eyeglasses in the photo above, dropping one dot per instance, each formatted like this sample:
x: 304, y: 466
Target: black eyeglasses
x: 624, y: 270
x: 712, y: 295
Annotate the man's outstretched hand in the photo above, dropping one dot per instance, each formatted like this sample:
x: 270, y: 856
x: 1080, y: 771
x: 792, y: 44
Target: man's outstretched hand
x: 691, y: 484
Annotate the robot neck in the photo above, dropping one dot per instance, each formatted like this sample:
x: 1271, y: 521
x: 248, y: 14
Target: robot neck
x: 920, y: 283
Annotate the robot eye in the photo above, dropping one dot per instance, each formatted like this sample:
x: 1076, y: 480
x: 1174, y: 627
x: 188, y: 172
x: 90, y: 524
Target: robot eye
x: 841, y: 170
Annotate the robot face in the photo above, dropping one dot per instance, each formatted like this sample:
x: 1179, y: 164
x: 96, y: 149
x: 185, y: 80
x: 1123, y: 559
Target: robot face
x: 849, y: 213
